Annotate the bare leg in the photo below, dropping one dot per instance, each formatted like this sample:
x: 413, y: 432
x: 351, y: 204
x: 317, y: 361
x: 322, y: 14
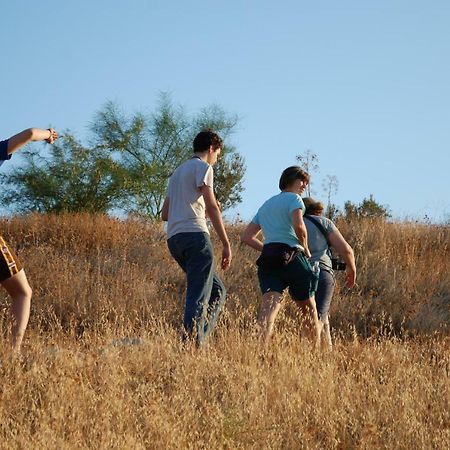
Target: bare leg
x: 20, y: 291
x: 326, y: 333
x: 311, y: 323
x: 270, y: 306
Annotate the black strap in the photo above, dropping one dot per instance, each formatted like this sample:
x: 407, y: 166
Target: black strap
x: 321, y: 228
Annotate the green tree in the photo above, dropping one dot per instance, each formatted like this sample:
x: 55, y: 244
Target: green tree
x: 127, y: 164
x: 70, y: 178
x: 368, y: 208
x: 148, y: 148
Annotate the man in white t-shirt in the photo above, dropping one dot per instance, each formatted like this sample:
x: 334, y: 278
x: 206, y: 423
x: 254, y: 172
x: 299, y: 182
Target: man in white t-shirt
x: 190, y: 195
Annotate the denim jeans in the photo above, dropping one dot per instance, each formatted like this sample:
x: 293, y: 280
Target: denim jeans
x: 205, y: 293
x: 324, y: 293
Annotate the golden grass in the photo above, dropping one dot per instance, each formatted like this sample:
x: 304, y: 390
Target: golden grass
x: 97, y: 281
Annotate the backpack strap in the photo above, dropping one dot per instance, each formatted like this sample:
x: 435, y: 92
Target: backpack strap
x: 320, y: 227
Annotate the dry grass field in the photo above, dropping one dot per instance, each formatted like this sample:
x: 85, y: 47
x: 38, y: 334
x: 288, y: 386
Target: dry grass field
x: 103, y: 365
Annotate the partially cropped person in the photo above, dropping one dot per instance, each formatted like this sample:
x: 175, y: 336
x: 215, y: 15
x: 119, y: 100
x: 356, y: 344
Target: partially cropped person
x: 323, y: 234
x: 283, y: 263
x: 12, y: 275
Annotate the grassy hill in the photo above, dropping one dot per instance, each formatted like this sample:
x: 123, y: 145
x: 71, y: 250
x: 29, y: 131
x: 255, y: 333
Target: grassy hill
x: 103, y: 365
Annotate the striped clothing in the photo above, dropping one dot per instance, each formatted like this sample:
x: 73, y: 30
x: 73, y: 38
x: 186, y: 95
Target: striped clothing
x: 9, y: 264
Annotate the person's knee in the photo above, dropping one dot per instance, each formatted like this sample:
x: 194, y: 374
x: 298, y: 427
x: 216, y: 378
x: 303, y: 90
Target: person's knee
x: 23, y: 292
x: 269, y: 308
x: 217, y: 285
x: 324, y: 320
x: 27, y: 291
x: 18, y: 287
x: 307, y: 304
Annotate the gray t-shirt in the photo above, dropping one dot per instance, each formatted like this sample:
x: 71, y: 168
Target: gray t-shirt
x: 186, y: 203
x: 316, y: 240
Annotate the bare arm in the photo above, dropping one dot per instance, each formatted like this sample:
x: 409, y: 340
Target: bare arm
x: 250, y: 236
x: 31, y: 134
x: 338, y: 242
x: 215, y: 216
x: 165, y: 210
x: 300, y: 230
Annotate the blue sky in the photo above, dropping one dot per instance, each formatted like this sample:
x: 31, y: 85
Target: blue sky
x: 364, y: 85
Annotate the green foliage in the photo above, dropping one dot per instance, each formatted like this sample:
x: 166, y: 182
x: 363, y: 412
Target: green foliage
x: 368, y: 208
x: 127, y: 166
x: 71, y: 178
x: 230, y: 168
x: 332, y: 211
x: 149, y: 148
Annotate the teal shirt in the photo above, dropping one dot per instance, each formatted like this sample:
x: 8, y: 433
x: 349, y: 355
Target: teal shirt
x: 275, y: 218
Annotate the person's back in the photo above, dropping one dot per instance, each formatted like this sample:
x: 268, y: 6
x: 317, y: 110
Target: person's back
x: 320, y: 251
x: 275, y: 218
x: 187, y: 205
x: 190, y: 195
x: 317, y: 243
x: 280, y: 219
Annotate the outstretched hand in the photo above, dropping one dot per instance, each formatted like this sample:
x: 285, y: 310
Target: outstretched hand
x: 53, y: 136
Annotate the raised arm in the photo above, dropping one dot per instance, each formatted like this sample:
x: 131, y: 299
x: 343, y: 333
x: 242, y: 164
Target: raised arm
x: 338, y: 242
x: 300, y: 230
x: 215, y: 216
x: 31, y: 134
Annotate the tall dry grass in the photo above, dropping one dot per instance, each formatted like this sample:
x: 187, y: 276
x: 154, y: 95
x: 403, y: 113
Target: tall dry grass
x: 81, y: 383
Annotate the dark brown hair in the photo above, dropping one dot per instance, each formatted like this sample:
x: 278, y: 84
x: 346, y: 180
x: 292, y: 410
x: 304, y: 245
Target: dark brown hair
x: 205, y: 139
x: 291, y: 174
x: 312, y: 206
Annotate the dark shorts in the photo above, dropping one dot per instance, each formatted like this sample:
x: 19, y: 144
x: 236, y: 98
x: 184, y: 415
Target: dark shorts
x: 324, y: 293
x: 297, y: 276
x: 4, y: 151
x: 9, y: 263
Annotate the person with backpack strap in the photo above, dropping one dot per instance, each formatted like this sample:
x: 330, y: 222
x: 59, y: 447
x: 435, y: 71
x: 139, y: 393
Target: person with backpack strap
x: 322, y: 236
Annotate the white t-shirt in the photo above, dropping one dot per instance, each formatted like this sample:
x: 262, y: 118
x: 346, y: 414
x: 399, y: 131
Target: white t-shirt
x: 186, y: 203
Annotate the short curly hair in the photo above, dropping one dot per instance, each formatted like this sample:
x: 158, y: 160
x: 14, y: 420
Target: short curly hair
x: 205, y: 139
x: 291, y: 174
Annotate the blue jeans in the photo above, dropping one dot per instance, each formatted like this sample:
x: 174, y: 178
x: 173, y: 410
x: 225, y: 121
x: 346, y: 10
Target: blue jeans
x: 324, y: 293
x: 205, y: 293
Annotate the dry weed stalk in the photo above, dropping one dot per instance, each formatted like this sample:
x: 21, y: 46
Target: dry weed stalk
x: 103, y: 365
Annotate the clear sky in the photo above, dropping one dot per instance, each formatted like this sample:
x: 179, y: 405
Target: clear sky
x: 363, y: 84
